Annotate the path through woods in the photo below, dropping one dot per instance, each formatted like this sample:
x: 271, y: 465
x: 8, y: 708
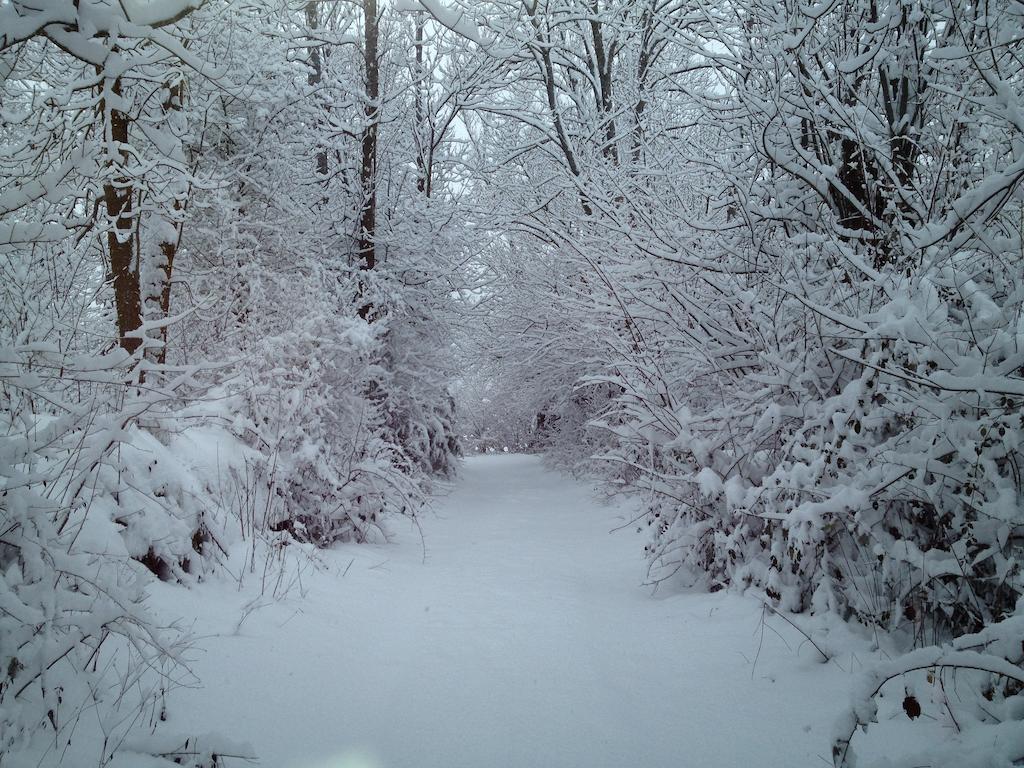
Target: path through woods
x: 523, y: 639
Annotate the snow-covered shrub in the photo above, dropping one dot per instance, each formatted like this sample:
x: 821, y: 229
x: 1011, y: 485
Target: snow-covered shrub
x: 894, y: 499
x: 311, y: 410
x: 413, y: 372
x: 425, y: 430
x: 973, y: 685
x: 842, y: 427
x: 97, y: 494
x: 88, y: 501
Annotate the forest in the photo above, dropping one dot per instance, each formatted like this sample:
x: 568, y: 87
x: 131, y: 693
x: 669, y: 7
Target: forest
x: 280, y: 279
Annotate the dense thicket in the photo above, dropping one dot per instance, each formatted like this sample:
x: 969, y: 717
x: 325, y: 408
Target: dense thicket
x: 223, y: 316
x: 773, y: 284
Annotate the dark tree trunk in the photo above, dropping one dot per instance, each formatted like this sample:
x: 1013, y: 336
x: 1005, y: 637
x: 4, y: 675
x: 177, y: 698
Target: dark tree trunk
x: 368, y: 169
x: 603, y: 62
x: 650, y: 49
x: 422, y: 136
x: 121, y: 242
x: 548, y: 73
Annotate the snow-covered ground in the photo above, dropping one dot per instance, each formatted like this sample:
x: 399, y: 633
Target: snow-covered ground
x: 517, y: 635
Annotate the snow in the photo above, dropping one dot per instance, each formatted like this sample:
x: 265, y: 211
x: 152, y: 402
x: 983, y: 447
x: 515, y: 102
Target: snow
x: 453, y: 18
x: 519, y: 634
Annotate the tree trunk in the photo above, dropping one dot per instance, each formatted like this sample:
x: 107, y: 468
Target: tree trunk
x: 117, y: 194
x: 169, y: 247
x: 368, y: 169
x: 422, y: 136
x: 603, y: 62
x: 314, y: 78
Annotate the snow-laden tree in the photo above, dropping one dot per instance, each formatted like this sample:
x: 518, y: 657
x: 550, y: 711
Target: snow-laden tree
x: 181, y: 189
x: 796, y: 284
x: 566, y: 138
x: 94, y: 177
x: 801, y: 289
x: 332, y: 314
x: 870, y: 451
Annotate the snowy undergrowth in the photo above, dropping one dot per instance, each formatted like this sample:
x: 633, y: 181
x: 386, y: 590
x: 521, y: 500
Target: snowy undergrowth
x: 87, y: 665
x: 107, y: 486
x: 93, y: 506
x: 318, y: 414
x: 973, y: 687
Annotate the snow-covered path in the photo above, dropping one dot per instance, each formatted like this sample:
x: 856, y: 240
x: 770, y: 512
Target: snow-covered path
x: 522, y: 639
